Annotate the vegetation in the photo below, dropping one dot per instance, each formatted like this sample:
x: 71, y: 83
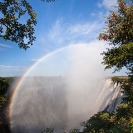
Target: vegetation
x: 119, y: 34
x: 4, y: 98
x: 119, y: 79
x: 4, y: 85
x: 11, y: 26
x: 48, y: 130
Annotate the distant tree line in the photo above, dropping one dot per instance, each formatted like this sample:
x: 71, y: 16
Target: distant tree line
x: 4, y: 86
x: 4, y: 99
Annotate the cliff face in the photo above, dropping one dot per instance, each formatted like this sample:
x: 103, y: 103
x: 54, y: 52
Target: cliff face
x: 109, y: 96
x: 115, y: 97
x: 117, y: 94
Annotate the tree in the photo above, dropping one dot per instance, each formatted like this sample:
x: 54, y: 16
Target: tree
x: 99, y: 123
x: 119, y: 33
x: 11, y: 28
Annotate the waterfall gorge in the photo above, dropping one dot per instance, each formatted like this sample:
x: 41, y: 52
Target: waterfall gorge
x: 54, y: 102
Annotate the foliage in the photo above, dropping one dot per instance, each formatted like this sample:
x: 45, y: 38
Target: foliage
x: 4, y: 85
x: 4, y: 98
x: 11, y: 26
x: 119, y: 34
x: 99, y: 123
x: 48, y: 130
x: 119, y: 79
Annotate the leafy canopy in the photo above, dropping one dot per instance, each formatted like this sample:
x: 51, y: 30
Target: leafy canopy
x: 11, y: 26
x: 119, y: 33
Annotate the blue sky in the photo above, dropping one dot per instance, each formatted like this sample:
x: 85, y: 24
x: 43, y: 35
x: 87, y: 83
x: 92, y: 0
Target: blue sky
x: 59, y: 24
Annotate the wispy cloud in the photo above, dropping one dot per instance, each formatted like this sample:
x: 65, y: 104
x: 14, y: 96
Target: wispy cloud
x: 84, y: 29
x: 108, y: 3
x: 4, y: 45
x: 63, y: 34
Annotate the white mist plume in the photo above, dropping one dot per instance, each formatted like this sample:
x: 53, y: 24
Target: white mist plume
x: 85, y: 71
x: 61, y: 102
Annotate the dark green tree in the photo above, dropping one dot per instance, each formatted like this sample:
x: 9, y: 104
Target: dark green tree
x: 119, y: 34
x: 99, y: 123
x: 11, y: 28
x: 4, y: 98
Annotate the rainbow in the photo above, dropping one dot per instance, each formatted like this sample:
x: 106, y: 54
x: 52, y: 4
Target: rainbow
x: 17, y: 87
